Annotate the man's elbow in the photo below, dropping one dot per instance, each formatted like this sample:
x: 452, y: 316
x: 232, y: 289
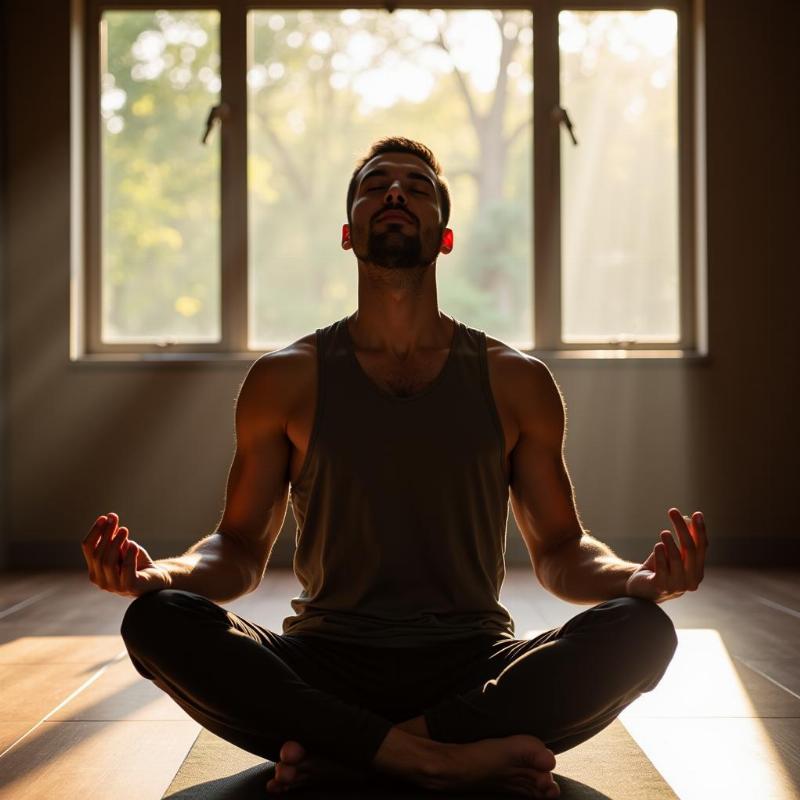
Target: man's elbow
x: 550, y: 562
x: 252, y: 569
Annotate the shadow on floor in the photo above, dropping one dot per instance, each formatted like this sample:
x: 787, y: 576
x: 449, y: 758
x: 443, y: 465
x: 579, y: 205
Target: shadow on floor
x: 250, y: 784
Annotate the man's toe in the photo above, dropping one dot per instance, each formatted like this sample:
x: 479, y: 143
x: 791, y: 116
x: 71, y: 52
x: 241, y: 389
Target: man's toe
x: 292, y: 752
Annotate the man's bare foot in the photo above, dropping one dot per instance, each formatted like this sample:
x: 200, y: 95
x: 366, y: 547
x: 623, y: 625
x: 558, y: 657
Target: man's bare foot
x: 297, y: 768
x: 518, y: 764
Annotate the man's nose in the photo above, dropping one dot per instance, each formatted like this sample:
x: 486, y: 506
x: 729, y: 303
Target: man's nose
x: 396, y: 193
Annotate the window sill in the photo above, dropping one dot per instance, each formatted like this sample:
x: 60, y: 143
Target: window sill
x: 561, y: 356
x: 147, y: 359
x: 590, y: 356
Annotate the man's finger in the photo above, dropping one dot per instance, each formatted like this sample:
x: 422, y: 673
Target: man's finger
x: 115, y: 550
x: 105, y: 538
x: 689, y: 552
x: 128, y: 571
x: 123, y: 547
x: 676, y: 572
x: 679, y: 521
x: 702, y: 537
x: 133, y: 555
x: 662, y: 568
x: 700, y: 526
x: 685, y: 534
x: 111, y: 555
x: 90, y: 540
x: 683, y: 531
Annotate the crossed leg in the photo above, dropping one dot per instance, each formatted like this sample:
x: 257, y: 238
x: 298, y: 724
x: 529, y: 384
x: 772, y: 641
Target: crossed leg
x: 209, y: 660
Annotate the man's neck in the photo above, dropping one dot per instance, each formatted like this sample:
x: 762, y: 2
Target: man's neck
x: 400, y: 329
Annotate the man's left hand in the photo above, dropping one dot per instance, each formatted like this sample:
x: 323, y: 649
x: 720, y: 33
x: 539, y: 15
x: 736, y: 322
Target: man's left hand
x: 669, y: 572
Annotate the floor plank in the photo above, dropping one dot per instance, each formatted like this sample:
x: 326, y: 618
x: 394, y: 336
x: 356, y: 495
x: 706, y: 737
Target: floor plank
x: 122, y: 694
x: 31, y: 692
x: 19, y: 586
x: 80, y: 760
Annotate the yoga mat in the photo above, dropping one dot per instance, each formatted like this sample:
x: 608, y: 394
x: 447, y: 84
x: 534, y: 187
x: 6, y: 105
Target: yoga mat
x: 609, y: 766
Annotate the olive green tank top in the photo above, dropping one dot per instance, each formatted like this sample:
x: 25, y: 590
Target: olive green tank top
x: 401, y: 504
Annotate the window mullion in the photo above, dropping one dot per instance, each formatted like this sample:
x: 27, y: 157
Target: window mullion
x: 234, y: 306
x: 92, y: 309
x: 686, y: 170
x: 546, y: 179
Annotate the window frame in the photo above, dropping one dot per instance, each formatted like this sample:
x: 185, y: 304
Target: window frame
x: 85, y: 343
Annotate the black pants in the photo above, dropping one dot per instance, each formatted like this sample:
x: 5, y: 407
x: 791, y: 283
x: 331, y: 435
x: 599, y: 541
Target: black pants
x: 257, y: 689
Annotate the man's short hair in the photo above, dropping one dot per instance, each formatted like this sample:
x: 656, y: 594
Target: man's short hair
x: 399, y: 144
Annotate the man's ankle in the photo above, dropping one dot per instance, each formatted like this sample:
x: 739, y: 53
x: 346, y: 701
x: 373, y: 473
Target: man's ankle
x: 418, y: 726
x: 405, y: 755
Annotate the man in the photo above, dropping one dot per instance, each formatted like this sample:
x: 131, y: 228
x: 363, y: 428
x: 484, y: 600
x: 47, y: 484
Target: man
x: 401, y: 434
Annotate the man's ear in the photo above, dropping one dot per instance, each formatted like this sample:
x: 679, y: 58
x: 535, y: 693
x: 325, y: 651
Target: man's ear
x: 346, y: 243
x: 447, y: 241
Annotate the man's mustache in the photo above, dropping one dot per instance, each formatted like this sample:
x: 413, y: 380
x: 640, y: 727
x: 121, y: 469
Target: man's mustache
x: 399, y: 211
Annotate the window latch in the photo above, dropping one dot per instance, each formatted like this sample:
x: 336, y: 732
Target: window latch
x: 560, y: 115
x: 218, y: 113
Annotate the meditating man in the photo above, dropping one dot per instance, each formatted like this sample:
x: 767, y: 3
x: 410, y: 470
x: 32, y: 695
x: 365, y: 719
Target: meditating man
x: 401, y: 433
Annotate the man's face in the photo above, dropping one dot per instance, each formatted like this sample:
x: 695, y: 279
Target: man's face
x: 405, y: 184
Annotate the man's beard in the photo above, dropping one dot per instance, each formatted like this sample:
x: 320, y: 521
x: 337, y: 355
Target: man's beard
x: 395, y: 250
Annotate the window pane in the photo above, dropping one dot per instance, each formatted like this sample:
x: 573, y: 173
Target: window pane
x: 620, y: 183
x: 160, y: 186
x: 323, y: 86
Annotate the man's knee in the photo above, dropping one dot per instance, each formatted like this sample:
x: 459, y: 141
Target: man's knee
x: 653, y: 635
x: 655, y: 622
x: 145, y: 612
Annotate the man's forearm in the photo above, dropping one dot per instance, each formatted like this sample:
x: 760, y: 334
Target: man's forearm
x: 586, y: 571
x: 216, y: 567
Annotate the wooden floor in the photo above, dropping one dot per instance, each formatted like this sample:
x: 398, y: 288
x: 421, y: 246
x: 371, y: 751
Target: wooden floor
x: 77, y: 721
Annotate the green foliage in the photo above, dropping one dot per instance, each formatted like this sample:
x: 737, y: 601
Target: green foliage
x: 160, y: 234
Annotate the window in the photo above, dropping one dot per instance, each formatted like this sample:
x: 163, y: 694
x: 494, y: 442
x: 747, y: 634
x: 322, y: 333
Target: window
x: 322, y: 86
x: 619, y: 199
x: 221, y: 139
x: 160, y: 188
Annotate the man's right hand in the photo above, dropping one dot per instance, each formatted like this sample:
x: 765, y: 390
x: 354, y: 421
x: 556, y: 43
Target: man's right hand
x: 119, y: 565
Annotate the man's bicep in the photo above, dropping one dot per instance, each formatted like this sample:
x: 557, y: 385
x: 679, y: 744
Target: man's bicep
x: 541, y: 491
x: 258, y: 482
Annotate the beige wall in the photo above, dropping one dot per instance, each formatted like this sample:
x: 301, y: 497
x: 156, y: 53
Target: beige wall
x: 154, y: 442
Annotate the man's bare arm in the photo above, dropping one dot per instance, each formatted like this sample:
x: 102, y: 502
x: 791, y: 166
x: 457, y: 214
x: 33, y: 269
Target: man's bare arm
x: 232, y: 560
x: 568, y: 561
x: 215, y: 567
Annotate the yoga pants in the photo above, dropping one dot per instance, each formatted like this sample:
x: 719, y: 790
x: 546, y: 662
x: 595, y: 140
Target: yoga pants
x: 258, y: 689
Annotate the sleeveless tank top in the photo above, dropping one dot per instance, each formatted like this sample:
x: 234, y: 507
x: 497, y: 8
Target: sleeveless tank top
x: 401, y: 504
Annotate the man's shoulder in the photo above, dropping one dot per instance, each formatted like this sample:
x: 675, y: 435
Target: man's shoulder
x: 525, y: 384
x: 282, y: 378
x: 283, y: 362
x: 513, y: 365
